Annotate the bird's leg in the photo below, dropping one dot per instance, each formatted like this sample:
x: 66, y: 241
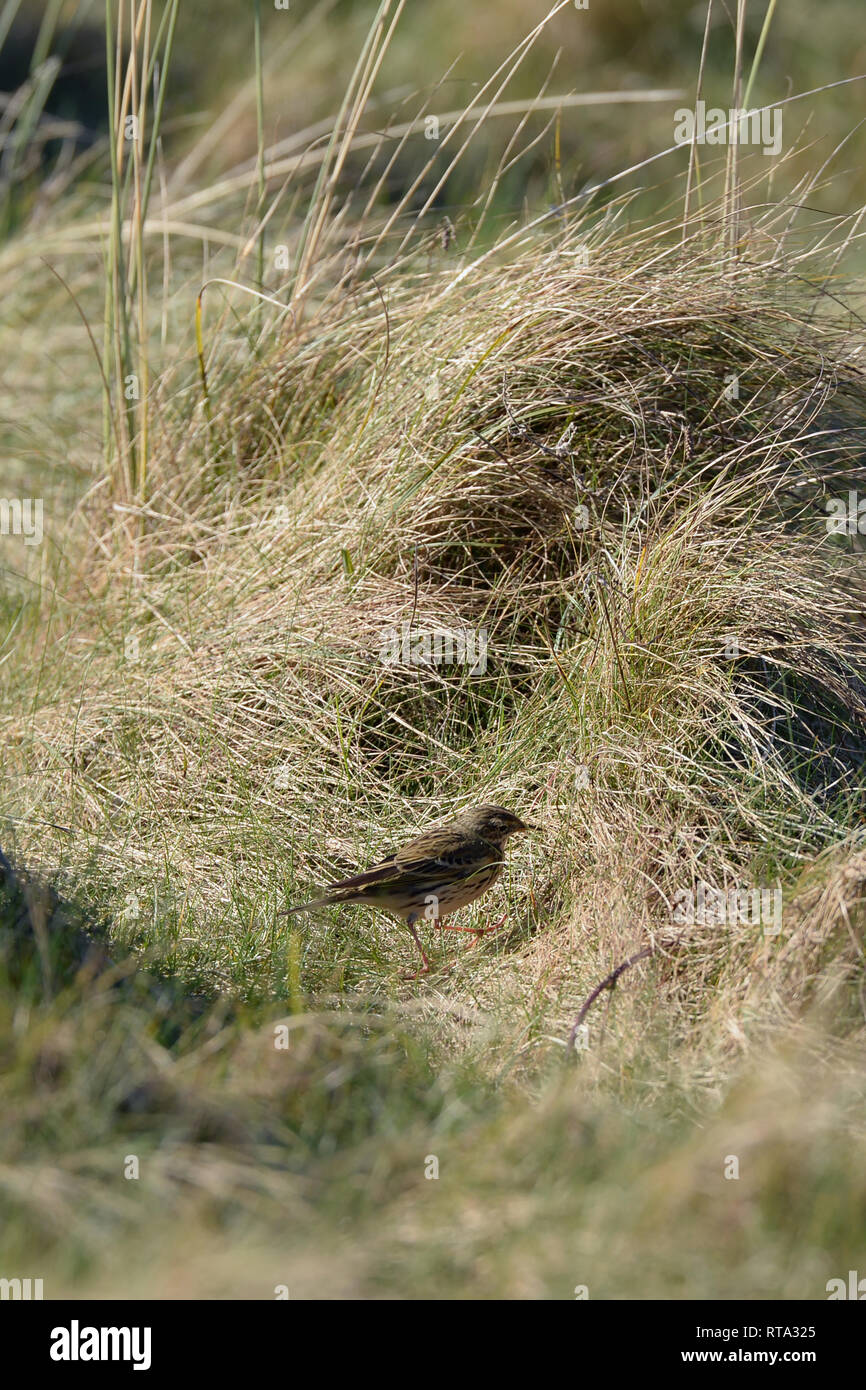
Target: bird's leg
x: 410, y: 923
x: 481, y: 931
x: 478, y: 932
x: 485, y: 931
x: 496, y: 925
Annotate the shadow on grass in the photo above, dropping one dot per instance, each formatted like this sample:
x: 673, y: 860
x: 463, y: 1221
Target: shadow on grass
x: 49, y: 945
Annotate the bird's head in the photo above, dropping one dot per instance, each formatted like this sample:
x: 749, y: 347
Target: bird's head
x: 493, y: 823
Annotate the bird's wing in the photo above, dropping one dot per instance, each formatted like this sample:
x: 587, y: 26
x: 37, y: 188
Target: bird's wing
x: 429, y: 853
x: 384, y: 869
x: 437, y: 851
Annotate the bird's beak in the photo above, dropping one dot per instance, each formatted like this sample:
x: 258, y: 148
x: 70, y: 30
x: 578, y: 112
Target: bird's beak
x: 527, y: 825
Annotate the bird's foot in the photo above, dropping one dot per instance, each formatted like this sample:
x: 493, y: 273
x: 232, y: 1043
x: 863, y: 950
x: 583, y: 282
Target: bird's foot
x: 438, y: 969
x: 473, y: 931
x: 410, y: 975
x: 479, y: 932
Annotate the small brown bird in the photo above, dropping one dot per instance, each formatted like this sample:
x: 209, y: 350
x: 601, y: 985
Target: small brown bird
x: 441, y: 870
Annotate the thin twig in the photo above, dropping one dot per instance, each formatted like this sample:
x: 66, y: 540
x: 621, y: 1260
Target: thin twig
x: 609, y: 982
x: 615, y: 646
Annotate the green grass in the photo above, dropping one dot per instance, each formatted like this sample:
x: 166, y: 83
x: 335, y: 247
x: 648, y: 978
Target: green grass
x: 305, y: 1164
x: 199, y: 730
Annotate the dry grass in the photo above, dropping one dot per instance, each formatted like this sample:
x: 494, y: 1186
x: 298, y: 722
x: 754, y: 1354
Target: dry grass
x: 619, y: 472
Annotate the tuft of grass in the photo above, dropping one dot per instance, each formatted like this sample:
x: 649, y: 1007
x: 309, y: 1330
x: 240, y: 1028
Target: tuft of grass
x: 605, y: 450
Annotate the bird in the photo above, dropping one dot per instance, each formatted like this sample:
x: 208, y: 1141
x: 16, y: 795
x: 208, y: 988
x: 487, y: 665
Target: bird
x: 441, y: 870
